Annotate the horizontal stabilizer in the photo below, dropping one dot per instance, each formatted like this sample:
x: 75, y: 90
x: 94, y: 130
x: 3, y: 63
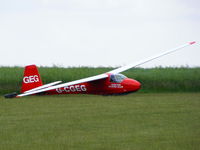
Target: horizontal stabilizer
x: 43, y: 86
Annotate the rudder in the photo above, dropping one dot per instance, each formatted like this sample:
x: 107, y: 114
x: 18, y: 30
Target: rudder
x: 31, y: 78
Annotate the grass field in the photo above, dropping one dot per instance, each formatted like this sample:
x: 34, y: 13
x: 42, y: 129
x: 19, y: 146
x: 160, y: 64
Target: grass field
x: 169, y: 121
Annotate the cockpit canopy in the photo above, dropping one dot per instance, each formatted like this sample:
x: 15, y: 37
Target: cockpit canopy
x: 117, y: 78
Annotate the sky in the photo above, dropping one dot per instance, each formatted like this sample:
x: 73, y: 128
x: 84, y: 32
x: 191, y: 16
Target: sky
x: 98, y: 32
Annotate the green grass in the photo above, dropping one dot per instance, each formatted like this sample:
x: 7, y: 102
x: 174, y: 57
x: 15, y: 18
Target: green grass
x: 153, y: 80
x: 169, y: 121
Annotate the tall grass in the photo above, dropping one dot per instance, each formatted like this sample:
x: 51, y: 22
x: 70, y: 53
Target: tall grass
x: 153, y: 80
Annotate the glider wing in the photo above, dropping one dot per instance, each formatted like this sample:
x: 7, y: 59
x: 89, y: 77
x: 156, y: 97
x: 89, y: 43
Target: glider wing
x: 124, y: 68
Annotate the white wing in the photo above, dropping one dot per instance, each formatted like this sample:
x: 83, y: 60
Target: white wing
x: 101, y: 76
x: 124, y: 68
x: 43, y: 86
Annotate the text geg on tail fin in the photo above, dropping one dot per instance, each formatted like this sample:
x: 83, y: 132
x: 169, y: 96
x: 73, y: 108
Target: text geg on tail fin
x: 31, y: 78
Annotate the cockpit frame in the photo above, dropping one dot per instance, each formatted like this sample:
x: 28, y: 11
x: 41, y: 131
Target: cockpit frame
x: 117, y: 78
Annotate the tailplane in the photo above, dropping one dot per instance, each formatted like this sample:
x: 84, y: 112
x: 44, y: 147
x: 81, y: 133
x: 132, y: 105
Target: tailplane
x: 31, y: 78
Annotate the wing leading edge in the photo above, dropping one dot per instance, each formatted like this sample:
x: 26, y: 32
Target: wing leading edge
x: 102, y: 76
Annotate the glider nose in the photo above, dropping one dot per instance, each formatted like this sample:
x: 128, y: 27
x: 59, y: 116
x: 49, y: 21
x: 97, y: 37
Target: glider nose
x: 131, y: 85
x: 136, y: 85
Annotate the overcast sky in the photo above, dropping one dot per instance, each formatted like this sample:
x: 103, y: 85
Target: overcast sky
x: 98, y: 32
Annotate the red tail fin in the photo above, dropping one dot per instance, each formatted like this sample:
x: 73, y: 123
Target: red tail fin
x: 31, y: 78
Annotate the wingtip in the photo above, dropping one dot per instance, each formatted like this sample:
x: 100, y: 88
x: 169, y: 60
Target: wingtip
x: 193, y: 42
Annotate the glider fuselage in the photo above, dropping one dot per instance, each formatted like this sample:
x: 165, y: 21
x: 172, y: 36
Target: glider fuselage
x: 100, y: 87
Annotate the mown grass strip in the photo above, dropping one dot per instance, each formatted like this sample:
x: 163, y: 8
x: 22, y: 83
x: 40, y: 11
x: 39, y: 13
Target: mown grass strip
x: 167, y: 121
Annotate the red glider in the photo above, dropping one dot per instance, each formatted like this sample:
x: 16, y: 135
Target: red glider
x: 110, y: 83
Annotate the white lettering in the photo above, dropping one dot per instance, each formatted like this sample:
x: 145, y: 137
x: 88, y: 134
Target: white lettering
x: 73, y: 88
x: 36, y: 78
x: 77, y: 87
x: 25, y: 80
x: 115, y: 86
x: 59, y: 90
x: 66, y: 89
x: 83, y: 88
x: 31, y: 79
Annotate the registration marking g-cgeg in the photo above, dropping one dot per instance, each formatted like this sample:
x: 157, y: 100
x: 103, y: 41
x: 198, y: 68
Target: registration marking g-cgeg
x: 72, y: 88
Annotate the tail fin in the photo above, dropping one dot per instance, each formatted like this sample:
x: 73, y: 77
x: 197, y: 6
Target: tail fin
x: 31, y: 78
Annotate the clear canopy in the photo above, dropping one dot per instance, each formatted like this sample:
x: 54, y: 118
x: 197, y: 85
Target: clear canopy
x: 117, y: 78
